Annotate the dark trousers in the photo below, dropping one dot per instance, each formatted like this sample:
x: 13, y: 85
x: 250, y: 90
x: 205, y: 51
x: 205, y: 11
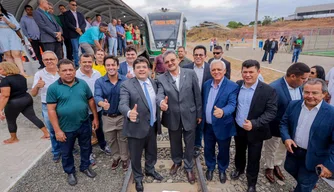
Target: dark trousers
x: 35, y: 44
x: 121, y: 45
x: 69, y: 51
x: 83, y: 134
x: 22, y: 105
x: 99, y: 131
x: 295, y: 166
x: 254, y: 156
x: 265, y: 56
x: 271, y: 55
x: 175, y: 138
x: 223, y: 157
x: 136, y: 147
x: 198, y: 135
x: 55, y: 47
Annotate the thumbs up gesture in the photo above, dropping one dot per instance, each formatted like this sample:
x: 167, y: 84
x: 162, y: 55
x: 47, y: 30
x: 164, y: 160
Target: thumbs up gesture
x: 106, y: 104
x: 133, y: 114
x: 247, y: 125
x: 129, y: 75
x: 164, y: 104
x: 40, y: 83
x: 218, y: 112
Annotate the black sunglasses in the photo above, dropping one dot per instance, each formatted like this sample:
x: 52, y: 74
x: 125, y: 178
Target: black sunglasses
x: 216, y: 53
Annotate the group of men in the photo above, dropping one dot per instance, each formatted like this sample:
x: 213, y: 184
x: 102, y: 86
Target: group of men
x: 48, y: 32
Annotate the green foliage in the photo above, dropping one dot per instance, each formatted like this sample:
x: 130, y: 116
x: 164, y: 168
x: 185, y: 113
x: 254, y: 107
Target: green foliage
x: 267, y: 20
x: 234, y: 24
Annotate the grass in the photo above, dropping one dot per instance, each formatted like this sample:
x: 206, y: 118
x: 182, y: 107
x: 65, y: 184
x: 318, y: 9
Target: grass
x: 320, y: 53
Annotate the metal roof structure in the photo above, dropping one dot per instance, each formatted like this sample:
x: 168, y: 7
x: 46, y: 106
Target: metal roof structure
x: 108, y: 9
x: 315, y: 10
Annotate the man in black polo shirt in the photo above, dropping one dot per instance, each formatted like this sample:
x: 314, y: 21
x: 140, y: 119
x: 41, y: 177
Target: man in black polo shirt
x: 68, y: 100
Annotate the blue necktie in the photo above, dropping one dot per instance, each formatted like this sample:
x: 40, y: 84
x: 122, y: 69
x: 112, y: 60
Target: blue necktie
x: 148, y: 99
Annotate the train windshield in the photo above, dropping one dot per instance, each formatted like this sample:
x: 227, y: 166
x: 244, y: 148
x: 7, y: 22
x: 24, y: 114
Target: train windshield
x: 165, y: 29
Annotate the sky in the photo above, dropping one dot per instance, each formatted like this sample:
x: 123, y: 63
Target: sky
x: 222, y: 11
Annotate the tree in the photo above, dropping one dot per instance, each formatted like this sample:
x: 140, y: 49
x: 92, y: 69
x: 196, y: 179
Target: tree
x: 253, y: 22
x: 267, y: 20
x: 240, y: 24
x: 234, y: 24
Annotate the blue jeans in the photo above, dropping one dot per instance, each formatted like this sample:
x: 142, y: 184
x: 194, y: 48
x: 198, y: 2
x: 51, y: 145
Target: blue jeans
x: 265, y: 56
x: 83, y: 134
x: 56, y: 151
x: 75, y: 49
x: 99, y: 131
x: 199, y: 135
x: 295, y: 55
x: 295, y: 166
x: 112, y: 46
x: 121, y: 45
x: 223, y: 157
x: 271, y: 55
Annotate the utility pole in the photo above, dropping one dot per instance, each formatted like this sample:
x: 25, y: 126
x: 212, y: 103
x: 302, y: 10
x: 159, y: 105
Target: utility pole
x: 255, y: 25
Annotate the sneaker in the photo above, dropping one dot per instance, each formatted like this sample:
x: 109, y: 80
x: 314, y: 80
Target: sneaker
x: 92, y: 159
x: 106, y: 150
x: 56, y: 158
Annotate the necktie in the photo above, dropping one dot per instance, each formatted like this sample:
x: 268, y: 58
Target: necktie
x: 148, y: 99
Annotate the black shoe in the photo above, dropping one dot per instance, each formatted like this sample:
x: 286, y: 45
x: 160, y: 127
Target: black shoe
x: 90, y: 173
x: 236, y: 174
x: 155, y: 175
x: 197, y: 151
x: 209, y: 175
x: 71, y: 179
x: 251, y: 189
x: 222, y: 177
x: 139, y: 186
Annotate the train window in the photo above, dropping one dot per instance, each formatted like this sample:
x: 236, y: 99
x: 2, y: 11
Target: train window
x: 165, y: 29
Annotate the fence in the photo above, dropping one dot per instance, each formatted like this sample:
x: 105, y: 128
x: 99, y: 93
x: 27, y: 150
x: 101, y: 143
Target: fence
x: 321, y: 39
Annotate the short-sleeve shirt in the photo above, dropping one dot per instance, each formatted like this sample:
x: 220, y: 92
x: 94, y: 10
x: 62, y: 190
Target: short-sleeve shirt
x: 100, y: 68
x: 17, y: 84
x: 72, y: 103
x: 298, y: 43
x: 92, y: 34
x: 48, y: 78
x: 159, y: 64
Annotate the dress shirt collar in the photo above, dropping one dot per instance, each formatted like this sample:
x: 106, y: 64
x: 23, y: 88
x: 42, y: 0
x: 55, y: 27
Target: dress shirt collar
x: 290, y: 88
x: 82, y: 74
x: 146, y: 81
x: 106, y: 78
x: 178, y: 75
x: 219, y: 84
x: 316, y: 107
x: 74, y: 12
x: 201, y: 67
x: 46, y: 72
x: 252, y: 87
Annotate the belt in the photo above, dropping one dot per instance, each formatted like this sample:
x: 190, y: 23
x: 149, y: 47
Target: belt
x: 112, y: 115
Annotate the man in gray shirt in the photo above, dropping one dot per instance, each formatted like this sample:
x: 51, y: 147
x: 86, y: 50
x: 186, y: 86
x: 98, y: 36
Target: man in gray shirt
x: 112, y: 38
x: 31, y: 31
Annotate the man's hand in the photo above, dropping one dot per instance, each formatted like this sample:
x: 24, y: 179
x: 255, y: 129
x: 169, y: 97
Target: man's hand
x: 78, y: 30
x: 95, y: 124
x: 153, y: 75
x: 218, y: 113
x: 288, y: 143
x: 247, y: 125
x: 106, y: 105
x: 129, y: 75
x: 2, y: 115
x: 199, y: 120
x: 40, y: 83
x: 133, y: 114
x: 164, y: 104
x: 60, y: 136
x: 324, y: 172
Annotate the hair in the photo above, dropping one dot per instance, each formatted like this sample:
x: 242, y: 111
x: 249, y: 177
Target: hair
x: 200, y: 47
x: 130, y: 48
x: 251, y: 63
x: 218, y: 61
x: 167, y: 53
x: 320, y: 72
x: 86, y: 55
x: 72, y: 1
x: 97, y: 15
x: 65, y: 62
x: 164, y: 47
x: 10, y: 68
x: 27, y: 6
x: 100, y: 50
x: 102, y: 24
x: 315, y: 81
x: 61, y: 5
x: 218, y: 47
x: 3, y: 10
x: 51, y: 52
x: 297, y: 69
x: 87, y: 18
x: 181, y: 47
x: 141, y: 59
x: 51, y: 4
x: 111, y: 57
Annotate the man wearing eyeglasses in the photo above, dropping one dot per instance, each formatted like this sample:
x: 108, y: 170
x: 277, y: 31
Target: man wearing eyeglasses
x: 75, y: 24
x: 202, y: 70
x: 218, y: 55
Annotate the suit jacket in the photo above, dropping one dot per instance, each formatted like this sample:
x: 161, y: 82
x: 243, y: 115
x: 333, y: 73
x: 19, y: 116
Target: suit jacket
x: 226, y: 99
x: 206, y: 74
x: 46, y: 26
x: 184, y: 105
x: 283, y: 100
x: 320, y: 148
x: 262, y: 111
x: 276, y: 45
x: 123, y: 68
x: 70, y: 23
x: 131, y: 93
x: 228, y: 67
x: 266, y: 45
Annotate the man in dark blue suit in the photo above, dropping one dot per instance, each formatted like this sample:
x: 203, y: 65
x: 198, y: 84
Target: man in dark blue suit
x: 126, y: 67
x: 219, y: 103
x: 288, y: 88
x: 202, y: 70
x: 307, y: 130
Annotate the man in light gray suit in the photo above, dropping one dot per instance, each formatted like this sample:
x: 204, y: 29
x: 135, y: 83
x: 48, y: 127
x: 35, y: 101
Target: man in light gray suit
x: 179, y: 97
x: 142, y: 120
x: 49, y: 28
